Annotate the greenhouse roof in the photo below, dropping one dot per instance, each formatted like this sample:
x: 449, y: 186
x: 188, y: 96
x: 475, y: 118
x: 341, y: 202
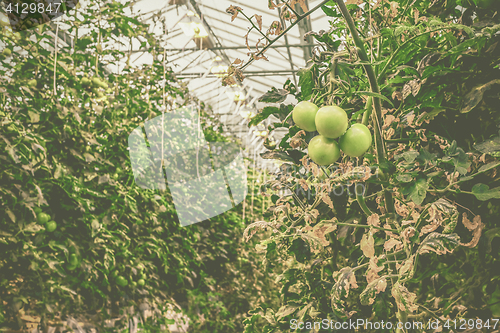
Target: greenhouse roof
x: 225, y: 42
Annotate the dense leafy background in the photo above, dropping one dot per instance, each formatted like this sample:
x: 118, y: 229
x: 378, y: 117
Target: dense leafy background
x: 65, y: 152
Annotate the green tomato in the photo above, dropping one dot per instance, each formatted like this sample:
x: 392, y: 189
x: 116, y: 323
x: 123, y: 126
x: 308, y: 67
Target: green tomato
x: 323, y: 151
x: 32, y: 83
x: 43, y: 218
x: 303, y: 115
x: 114, y: 274
x: 37, y: 210
x: 143, y: 276
x: 121, y: 281
x: 73, y: 259
x: 51, y: 226
x: 134, y: 284
x: 97, y: 82
x: 7, y: 52
x: 331, y: 121
x: 141, y: 282
x: 85, y: 81
x: 356, y: 141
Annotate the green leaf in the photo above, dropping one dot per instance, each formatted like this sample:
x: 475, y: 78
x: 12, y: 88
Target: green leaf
x: 266, y: 112
x: 410, y: 156
x: 425, y: 156
x: 489, y: 146
x: 274, y: 96
x: 475, y: 96
x: 488, y: 166
x: 306, y: 82
x: 483, y: 192
x: 372, y: 94
x: 328, y: 11
x: 286, y: 310
x: 418, y: 191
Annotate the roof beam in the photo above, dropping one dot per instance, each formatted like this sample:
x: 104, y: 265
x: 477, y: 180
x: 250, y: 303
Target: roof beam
x: 247, y: 73
x: 239, y: 47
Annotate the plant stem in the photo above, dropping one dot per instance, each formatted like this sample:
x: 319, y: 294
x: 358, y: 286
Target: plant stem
x: 299, y: 18
x: 368, y: 112
x: 365, y: 226
x: 254, y: 26
x: 377, y: 115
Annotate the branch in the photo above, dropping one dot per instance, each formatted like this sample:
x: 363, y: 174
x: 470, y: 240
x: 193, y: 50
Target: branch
x: 299, y: 18
x: 254, y: 26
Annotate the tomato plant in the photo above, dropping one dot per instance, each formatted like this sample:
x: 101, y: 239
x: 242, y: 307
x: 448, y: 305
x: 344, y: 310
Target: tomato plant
x: 392, y: 232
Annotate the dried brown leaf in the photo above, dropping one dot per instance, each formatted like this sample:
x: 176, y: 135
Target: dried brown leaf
x: 373, y: 270
x: 259, y: 21
x: 246, y: 41
x: 471, y: 225
x: 401, y: 209
x: 323, y: 229
x: 303, y: 184
x: 373, y: 220
x: 410, y: 119
x: 275, y: 28
x: 389, y: 119
x: 476, y: 226
x: 367, y: 245
x: 326, y: 199
x: 406, y: 91
x: 391, y: 243
x: 397, y: 95
x: 233, y: 10
x: 408, y: 233
x: 407, y: 266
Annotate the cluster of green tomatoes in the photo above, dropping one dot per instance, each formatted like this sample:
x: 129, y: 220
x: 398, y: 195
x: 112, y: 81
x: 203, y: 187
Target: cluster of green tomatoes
x: 96, y: 85
x: 331, y: 122
x: 45, y: 220
x: 122, y: 281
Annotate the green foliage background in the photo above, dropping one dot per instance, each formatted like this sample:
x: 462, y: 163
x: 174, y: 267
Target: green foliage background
x: 65, y: 152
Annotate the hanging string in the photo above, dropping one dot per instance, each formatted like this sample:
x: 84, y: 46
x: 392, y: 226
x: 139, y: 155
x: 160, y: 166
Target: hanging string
x: 55, y: 56
x: 164, y: 104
